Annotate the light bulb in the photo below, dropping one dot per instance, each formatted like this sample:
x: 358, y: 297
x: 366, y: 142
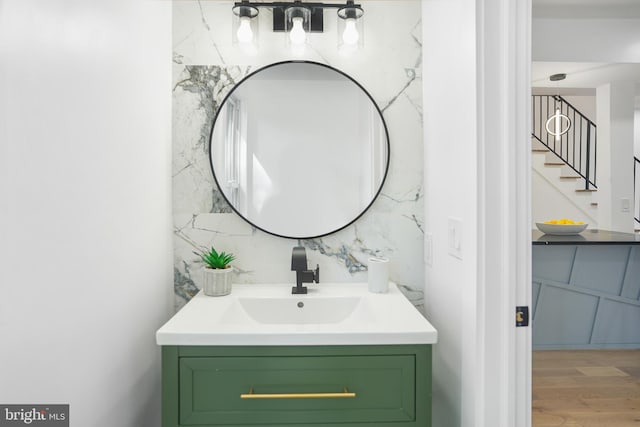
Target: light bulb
x: 350, y: 35
x: 297, y: 35
x: 244, y: 33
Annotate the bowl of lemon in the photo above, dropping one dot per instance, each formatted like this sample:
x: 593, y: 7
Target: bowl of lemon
x: 563, y: 226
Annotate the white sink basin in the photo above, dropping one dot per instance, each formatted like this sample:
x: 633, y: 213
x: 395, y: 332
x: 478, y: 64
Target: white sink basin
x: 294, y: 310
x: 268, y: 314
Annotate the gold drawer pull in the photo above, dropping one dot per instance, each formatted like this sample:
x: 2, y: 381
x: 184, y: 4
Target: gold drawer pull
x: 253, y: 395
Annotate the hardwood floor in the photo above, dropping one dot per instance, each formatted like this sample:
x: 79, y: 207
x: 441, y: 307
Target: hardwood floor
x: 586, y: 388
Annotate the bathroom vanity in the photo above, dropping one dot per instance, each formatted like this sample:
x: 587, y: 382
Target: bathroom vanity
x: 338, y: 355
x: 282, y: 355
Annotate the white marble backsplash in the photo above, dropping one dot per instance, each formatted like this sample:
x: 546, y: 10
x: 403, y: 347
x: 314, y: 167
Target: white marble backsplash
x: 207, y: 66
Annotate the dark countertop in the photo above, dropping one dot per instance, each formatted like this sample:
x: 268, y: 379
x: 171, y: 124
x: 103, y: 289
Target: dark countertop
x: 587, y: 237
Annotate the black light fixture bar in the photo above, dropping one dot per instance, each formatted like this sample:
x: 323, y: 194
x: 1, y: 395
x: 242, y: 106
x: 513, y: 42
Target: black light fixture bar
x: 317, y: 9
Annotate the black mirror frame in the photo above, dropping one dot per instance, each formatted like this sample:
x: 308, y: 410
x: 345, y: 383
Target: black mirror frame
x: 384, y: 124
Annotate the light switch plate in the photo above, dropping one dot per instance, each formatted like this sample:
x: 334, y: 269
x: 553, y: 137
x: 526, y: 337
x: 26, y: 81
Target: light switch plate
x: 454, y: 232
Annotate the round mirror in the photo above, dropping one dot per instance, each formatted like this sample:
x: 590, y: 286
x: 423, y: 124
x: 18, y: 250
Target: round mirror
x: 299, y: 149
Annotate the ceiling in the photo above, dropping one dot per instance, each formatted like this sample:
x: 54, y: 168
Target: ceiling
x: 586, y: 9
x: 584, y: 77
x: 582, y: 74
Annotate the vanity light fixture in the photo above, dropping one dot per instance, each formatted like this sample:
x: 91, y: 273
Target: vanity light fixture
x: 350, y: 29
x: 245, y: 26
x: 298, y: 19
x: 561, y: 122
x: 297, y: 24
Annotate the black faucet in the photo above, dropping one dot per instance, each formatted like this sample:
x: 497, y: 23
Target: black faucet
x: 303, y: 275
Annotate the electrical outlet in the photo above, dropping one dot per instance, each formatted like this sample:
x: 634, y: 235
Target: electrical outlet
x: 454, y: 231
x: 428, y: 249
x: 625, y: 205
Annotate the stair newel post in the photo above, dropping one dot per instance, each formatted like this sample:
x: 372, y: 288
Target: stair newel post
x: 636, y: 188
x: 595, y: 157
x: 555, y: 102
x: 573, y: 133
x: 586, y: 181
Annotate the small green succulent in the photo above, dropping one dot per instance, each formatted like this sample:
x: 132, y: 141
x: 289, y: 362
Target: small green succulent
x: 216, y: 260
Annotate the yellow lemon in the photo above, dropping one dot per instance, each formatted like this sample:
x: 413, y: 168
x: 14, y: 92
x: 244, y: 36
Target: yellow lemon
x: 563, y: 221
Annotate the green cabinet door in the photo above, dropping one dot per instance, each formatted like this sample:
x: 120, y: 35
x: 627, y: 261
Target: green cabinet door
x: 297, y: 386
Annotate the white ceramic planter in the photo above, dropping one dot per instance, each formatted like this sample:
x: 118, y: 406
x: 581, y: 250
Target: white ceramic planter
x: 217, y: 282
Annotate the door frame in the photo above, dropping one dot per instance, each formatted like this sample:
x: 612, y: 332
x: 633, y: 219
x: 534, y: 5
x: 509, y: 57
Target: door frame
x: 504, y: 205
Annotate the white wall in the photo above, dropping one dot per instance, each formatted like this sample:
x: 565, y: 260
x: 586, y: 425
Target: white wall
x: 476, y: 170
x: 586, y: 104
x: 450, y: 175
x: 615, y: 113
x: 548, y: 202
x: 85, y: 206
x: 636, y: 150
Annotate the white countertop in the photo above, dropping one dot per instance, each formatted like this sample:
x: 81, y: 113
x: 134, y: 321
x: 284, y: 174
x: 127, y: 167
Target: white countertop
x: 367, y: 319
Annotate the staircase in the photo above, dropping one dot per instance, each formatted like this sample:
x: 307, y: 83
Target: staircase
x: 566, y: 161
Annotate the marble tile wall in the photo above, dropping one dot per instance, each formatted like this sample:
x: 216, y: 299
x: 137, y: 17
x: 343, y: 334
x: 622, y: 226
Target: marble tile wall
x: 206, y: 66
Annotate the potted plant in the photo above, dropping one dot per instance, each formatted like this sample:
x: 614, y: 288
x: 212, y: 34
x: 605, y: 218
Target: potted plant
x: 217, y: 272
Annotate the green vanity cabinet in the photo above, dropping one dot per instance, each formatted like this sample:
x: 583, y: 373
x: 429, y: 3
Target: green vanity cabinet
x: 360, y: 385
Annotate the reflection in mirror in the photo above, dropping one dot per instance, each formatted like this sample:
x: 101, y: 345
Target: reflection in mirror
x: 299, y: 149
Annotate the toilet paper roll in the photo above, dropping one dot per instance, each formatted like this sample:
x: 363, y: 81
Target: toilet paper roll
x: 378, y: 275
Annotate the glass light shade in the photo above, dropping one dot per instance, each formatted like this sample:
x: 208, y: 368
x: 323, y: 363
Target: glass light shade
x: 350, y: 29
x: 297, y: 25
x: 244, y: 31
